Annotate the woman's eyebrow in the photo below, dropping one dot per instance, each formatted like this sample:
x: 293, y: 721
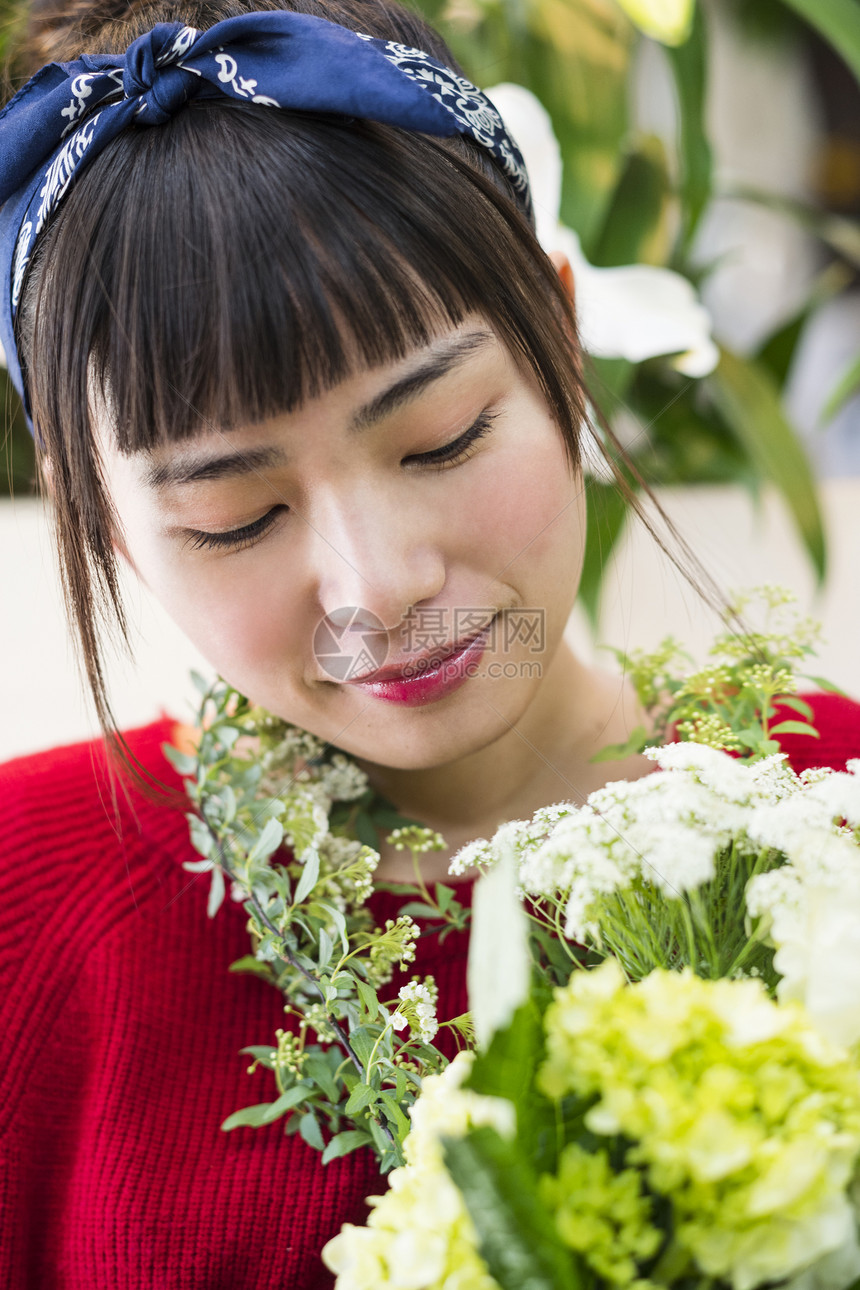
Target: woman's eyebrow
x: 442, y: 357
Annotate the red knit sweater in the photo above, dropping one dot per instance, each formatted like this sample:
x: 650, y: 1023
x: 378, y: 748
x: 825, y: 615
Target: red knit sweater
x: 121, y: 1027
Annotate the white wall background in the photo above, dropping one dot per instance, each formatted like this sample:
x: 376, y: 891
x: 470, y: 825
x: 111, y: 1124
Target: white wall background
x: 43, y: 700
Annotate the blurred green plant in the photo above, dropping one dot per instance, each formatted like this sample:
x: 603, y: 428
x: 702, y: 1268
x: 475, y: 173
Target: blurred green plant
x: 630, y: 203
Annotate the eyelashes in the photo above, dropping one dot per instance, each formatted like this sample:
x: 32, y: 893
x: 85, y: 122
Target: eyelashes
x: 458, y: 449
x: 453, y: 453
x: 236, y: 538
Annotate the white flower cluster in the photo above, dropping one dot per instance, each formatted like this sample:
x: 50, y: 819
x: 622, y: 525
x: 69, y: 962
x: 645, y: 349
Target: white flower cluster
x: 341, y: 779
x: 811, y: 906
x: 419, y: 1235
x: 667, y: 828
x: 525, y: 835
x: 418, y: 1011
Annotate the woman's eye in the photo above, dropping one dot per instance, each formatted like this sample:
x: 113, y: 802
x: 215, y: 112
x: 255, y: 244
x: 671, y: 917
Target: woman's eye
x: 234, y: 539
x: 458, y: 449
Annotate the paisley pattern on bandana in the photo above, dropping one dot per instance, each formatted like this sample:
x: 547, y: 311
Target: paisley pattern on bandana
x: 69, y: 112
x: 471, y: 108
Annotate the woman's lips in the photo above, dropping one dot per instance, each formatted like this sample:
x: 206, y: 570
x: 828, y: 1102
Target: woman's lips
x: 434, y: 681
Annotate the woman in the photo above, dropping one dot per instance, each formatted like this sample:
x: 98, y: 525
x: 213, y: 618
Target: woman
x: 308, y: 371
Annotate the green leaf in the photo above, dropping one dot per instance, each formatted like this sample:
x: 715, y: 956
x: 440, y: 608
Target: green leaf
x: 796, y: 705
x: 777, y: 353
x: 631, y: 230
x: 292, y: 1097
x: 605, y: 521
x: 249, y: 1117
x: 617, y: 752
x: 200, y: 683
x: 362, y: 1044
x: 828, y: 686
x: 343, y: 1143
x: 253, y: 966
x: 310, y: 875
x: 794, y: 728
x: 261, y: 1052
x: 337, y: 918
x: 444, y: 896
x: 326, y: 950
x: 367, y: 994
x: 271, y: 837
x: 317, y: 1069
x: 417, y: 909
x: 518, y: 1239
x: 689, y: 66
x: 837, y: 21
x: 395, y: 1115
x: 748, y: 398
x: 217, y: 892
x: 846, y: 387
x: 310, y: 1130
x: 201, y: 838
x: 180, y: 761
x: 360, y: 1097
x: 507, y: 1068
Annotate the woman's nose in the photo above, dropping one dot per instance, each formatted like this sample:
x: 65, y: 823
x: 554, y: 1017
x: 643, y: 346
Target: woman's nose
x: 375, y: 560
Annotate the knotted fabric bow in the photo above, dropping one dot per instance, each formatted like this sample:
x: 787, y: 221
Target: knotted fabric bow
x: 69, y: 112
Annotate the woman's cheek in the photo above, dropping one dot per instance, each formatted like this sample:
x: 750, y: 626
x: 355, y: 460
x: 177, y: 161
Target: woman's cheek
x: 526, y: 507
x: 237, y: 609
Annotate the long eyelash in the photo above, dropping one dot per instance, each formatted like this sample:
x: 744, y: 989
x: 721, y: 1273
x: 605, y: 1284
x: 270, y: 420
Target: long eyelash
x: 235, y: 539
x: 458, y: 449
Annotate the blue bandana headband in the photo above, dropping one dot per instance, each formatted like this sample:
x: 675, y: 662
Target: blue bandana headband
x: 69, y: 112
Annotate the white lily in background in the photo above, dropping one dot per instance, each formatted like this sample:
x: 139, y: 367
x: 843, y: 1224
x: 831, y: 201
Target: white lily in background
x: 668, y: 21
x: 635, y: 311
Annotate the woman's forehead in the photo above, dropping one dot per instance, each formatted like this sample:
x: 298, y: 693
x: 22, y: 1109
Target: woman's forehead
x: 363, y: 399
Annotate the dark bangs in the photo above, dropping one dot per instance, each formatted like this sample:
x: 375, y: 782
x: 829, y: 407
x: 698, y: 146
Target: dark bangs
x: 230, y: 265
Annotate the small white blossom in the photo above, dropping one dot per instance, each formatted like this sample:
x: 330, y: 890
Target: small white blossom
x: 342, y: 780
x: 473, y: 855
x: 419, y: 1000
x: 839, y: 795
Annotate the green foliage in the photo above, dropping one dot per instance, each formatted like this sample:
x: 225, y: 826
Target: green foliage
x: 749, y: 400
x: 846, y: 387
x: 519, y: 1241
x: 275, y: 816
x: 689, y: 67
x: 729, y: 703
x: 837, y: 21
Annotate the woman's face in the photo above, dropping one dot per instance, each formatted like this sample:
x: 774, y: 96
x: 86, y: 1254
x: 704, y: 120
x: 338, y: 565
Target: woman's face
x: 386, y: 523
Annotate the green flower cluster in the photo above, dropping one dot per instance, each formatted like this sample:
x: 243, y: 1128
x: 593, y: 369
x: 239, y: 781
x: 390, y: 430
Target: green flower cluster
x: 735, y: 1109
x: 603, y: 1214
x: 731, y: 702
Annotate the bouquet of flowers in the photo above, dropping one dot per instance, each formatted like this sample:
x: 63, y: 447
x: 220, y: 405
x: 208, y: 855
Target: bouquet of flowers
x: 683, y: 1109
x: 660, y: 1077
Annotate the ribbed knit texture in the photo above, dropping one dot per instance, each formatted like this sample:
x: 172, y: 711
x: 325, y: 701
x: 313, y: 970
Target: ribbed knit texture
x: 120, y: 1029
